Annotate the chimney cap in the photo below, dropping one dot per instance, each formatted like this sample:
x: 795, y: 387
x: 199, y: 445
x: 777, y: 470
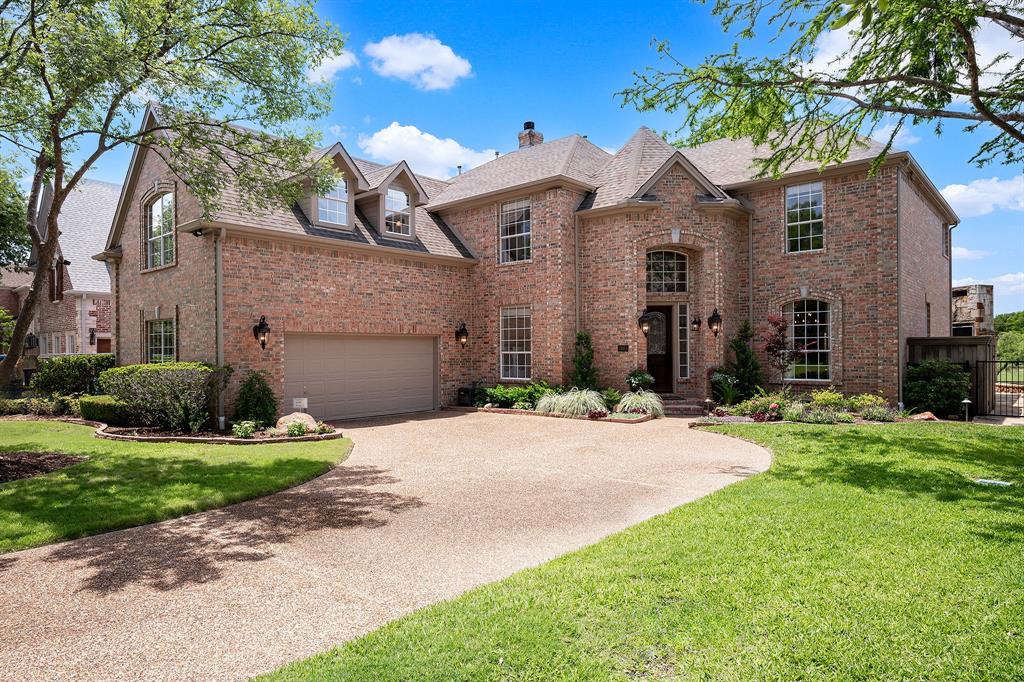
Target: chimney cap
x: 528, y: 125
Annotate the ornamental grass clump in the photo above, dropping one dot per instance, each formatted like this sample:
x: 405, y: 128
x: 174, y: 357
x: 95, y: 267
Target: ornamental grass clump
x: 573, y: 403
x: 641, y: 402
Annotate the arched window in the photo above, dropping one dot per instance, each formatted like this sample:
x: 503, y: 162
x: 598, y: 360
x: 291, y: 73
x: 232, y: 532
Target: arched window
x: 160, y: 231
x: 666, y: 272
x: 810, y: 329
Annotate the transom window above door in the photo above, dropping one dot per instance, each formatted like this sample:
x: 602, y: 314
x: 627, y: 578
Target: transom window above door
x: 666, y: 272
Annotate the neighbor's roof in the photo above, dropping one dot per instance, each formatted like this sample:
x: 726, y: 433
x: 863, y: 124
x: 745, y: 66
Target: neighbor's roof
x: 732, y: 162
x: 84, y: 222
x: 573, y: 157
x: 11, y: 278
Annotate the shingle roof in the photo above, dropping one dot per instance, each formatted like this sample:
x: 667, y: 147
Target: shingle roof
x: 573, y: 156
x: 12, y: 279
x: 730, y: 162
x: 623, y: 175
x: 84, y: 222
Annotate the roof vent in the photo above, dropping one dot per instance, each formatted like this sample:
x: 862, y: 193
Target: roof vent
x: 529, y: 137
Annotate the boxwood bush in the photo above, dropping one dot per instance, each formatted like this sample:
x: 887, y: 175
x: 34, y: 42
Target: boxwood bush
x: 104, y: 408
x: 71, y: 374
x: 177, y: 396
x: 256, y: 401
x: 937, y: 386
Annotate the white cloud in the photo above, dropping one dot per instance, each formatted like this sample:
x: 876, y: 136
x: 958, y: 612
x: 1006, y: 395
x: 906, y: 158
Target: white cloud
x: 330, y: 66
x: 1010, y: 283
x: 420, y: 59
x: 963, y: 253
x: 831, y: 51
x: 982, y: 196
x: 904, y: 138
x: 426, y: 153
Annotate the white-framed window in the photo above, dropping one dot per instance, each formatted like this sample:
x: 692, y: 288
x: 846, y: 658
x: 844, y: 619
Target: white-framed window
x: 810, y: 329
x: 43, y: 345
x: 947, y: 238
x: 72, y: 346
x: 514, y: 231
x: 683, y: 316
x: 333, y: 207
x: 805, y: 224
x: 666, y: 272
x: 160, y: 341
x: 397, y: 213
x: 160, y: 231
x: 516, y: 343
x: 59, y: 338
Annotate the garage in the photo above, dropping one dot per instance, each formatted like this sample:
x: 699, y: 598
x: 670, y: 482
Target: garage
x: 342, y: 377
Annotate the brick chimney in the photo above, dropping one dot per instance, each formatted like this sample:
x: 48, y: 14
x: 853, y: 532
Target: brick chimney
x: 529, y: 137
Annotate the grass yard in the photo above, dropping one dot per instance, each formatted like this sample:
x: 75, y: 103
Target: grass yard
x: 129, y: 484
x: 866, y: 552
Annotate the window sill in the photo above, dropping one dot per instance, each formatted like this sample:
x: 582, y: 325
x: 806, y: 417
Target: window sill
x: 516, y: 381
x: 386, y: 234
x: 514, y: 262
x: 805, y: 252
x: 816, y: 382
x: 158, y: 268
x: 338, y: 227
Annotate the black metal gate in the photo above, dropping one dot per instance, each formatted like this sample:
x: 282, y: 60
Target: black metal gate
x: 1005, y: 380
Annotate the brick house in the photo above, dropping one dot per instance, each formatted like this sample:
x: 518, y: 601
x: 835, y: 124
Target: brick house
x: 364, y: 289
x: 73, y: 316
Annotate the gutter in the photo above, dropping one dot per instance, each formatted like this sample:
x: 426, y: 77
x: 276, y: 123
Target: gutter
x: 485, y: 197
x: 627, y: 205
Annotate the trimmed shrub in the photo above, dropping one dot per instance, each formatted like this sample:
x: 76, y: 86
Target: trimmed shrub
x: 177, y: 396
x: 639, y: 380
x: 584, y: 374
x: 244, y: 429
x: 71, y: 374
x: 103, y: 408
x: 762, y: 402
x: 878, y: 413
x: 611, y: 398
x: 256, y: 401
x: 641, y: 402
x: 745, y: 367
x: 296, y: 429
x: 862, y: 401
x: 508, y: 396
x: 575, y: 403
x: 828, y: 399
x: 58, y: 406
x: 937, y: 386
x: 522, y: 405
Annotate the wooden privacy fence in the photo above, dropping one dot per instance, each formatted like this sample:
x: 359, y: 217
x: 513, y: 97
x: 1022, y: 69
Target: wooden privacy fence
x: 973, y: 352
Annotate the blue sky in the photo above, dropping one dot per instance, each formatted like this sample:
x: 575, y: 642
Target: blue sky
x: 446, y: 83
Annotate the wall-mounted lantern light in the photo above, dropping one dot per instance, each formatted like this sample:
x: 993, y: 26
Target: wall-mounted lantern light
x: 31, y: 341
x: 695, y: 324
x: 462, y: 334
x: 715, y: 322
x: 260, y: 331
x: 92, y: 336
x: 645, y: 322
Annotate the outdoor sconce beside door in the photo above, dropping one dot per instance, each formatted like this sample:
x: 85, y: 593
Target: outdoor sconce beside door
x: 715, y: 322
x: 645, y: 323
x: 260, y: 331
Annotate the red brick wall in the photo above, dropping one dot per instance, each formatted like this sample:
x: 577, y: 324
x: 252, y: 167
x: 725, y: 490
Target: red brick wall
x: 545, y: 283
x: 60, y: 316
x: 184, y: 289
x: 924, y: 269
x: 856, y: 273
x: 312, y: 288
x: 102, y: 317
x: 613, y: 255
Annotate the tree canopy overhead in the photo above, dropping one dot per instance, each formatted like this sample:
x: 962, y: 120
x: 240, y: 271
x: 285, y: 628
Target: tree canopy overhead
x: 905, y: 62
x: 230, y: 76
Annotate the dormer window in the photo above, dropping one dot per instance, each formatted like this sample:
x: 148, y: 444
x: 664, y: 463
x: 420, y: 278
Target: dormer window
x: 333, y: 206
x: 397, y: 213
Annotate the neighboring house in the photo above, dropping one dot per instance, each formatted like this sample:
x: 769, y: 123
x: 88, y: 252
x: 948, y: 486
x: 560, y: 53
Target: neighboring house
x: 73, y: 315
x: 364, y: 289
x: 973, y: 307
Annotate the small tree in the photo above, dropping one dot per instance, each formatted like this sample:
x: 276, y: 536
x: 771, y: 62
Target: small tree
x: 776, y: 345
x: 745, y: 366
x: 256, y: 400
x: 584, y: 375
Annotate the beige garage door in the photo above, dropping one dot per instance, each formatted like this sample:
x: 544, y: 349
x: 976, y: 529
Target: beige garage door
x: 360, y: 376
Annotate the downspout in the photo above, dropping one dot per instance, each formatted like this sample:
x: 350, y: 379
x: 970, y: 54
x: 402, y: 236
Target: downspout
x: 83, y: 335
x: 218, y: 269
x: 576, y: 269
x: 750, y: 269
x: 899, y: 288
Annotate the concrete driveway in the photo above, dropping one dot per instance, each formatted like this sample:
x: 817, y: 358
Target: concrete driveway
x: 425, y: 508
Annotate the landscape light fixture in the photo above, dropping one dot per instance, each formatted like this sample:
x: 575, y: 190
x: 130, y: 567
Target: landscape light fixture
x: 715, y: 322
x: 260, y: 331
x: 966, y: 402
x: 462, y: 334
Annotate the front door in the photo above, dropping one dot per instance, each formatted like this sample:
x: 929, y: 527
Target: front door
x: 659, y: 347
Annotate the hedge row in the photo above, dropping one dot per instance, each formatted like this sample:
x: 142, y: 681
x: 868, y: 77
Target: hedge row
x: 177, y: 396
x: 71, y: 374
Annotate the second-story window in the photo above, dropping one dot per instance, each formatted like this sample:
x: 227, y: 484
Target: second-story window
x: 514, y: 231
x: 397, y: 213
x: 160, y: 231
x: 805, y: 225
x: 333, y: 206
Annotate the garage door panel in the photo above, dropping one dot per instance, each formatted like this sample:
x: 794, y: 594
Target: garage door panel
x: 358, y: 376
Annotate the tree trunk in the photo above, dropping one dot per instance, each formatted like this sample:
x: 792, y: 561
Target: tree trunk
x: 45, y: 250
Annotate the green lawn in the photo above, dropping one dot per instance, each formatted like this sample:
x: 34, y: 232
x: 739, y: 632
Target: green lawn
x: 128, y: 484
x: 866, y: 552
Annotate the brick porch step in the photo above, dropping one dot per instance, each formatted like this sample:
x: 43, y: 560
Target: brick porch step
x: 678, y: 407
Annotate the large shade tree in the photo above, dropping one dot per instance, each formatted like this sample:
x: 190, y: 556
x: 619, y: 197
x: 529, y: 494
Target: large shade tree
x: 899, y: 63
x: 230, y: 76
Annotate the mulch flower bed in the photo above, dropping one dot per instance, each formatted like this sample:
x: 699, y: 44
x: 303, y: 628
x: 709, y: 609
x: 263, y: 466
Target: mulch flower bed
x: 152, y: 435
x: 17, y: 465
x: 639, y: 419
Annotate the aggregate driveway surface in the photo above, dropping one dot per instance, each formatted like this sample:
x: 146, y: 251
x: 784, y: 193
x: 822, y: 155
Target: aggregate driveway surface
x: 425, y: 508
